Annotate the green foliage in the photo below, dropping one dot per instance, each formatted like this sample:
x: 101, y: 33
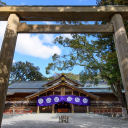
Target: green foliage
x: 25, y: 71
x: 82, y: 54
x: 75, y: 44
x: 72, y: 76
x: 112, y: 2
x: 111, y: 72
x: 97, y: 57
x: 2, y: 3
x: 69, y: 75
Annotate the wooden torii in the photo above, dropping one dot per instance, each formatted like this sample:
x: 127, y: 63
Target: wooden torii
x: 15, y: 14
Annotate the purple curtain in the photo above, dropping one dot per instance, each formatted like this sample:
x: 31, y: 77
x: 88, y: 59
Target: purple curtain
x: 55, y: 99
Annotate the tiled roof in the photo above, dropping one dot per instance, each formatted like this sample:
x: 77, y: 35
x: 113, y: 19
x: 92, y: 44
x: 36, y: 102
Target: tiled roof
x: 28, y: 90
x: 56, y: 85
x: 98, y: 90
x: 28, y: 84
x: 101, y: 84
x: 10, y: 93
x: 36, y: 86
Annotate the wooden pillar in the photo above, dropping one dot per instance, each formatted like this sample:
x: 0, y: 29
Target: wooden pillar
x: 14, y: 102
x: 72, y: 92
x: 38, y: 109
x: 62, y: 91
x: 87, y: 109
x: 72, y: 108
x: 13, y: 107
x: 121, y: 44
x: 72, y: 105
x: 98, y: 106
x: 27, y: 102
x: 6, y: 58
x: 53, y: 106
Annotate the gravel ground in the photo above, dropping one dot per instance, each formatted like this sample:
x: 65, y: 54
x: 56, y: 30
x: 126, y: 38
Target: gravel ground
x: 45, y: 120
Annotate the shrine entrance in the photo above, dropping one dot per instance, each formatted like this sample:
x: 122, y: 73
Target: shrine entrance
x: 63, y: 107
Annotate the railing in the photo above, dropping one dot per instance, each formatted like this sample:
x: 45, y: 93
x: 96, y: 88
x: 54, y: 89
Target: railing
x: 17, y: 111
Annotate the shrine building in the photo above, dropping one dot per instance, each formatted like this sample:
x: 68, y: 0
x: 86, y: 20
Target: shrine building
x: 60, y: 95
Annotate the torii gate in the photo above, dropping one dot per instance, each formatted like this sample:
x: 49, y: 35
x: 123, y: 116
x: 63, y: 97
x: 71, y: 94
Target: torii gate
x: 15, y: 14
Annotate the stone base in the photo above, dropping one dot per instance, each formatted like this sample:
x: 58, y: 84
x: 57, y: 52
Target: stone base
x: 124, y: 113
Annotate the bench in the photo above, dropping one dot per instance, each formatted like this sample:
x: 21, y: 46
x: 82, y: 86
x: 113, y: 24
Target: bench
x: 63, y: 119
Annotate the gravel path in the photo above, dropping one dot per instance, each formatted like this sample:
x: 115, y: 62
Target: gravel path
x: 45, y: 120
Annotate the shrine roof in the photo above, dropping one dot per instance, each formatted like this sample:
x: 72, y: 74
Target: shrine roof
x: 37, y: 86
x: 59, y: 84
x: 27, y: 84
x: 10, y: 93
x: 24, y: 90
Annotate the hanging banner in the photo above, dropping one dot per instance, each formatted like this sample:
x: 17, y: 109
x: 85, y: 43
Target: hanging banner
x: 55, y: 99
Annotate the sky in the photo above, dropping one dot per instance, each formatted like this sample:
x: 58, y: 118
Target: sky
x: 39, y: 48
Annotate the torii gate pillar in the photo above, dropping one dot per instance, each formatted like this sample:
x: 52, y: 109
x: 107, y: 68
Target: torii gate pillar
x: 121, y: 43
x: 6, y: 58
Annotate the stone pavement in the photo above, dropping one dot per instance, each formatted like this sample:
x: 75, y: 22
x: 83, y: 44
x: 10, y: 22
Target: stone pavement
x: 76, y: 120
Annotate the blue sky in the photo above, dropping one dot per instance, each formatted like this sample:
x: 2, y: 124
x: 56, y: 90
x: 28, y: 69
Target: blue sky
x: 38, y: 48
x: 50, y: 2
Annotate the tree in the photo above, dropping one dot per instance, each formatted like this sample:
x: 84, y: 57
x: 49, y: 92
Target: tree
x: 114, y: 78
x: 97, y: 57
x: 2, y: 3
x: 79, y: 55
x: 25, y: 71
x: 95, y: 62
x: 112, y: 2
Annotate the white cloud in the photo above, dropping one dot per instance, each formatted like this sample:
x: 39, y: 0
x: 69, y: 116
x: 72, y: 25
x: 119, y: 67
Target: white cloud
x: 48, y: 22
x: 22, y: 3
x: 33, y: 45
x: 48, y: 38
x: 14, y: 61
x: 67, y: 35
x: 2, y: 30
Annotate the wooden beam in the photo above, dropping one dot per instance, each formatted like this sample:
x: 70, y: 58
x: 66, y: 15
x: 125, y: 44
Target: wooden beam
x: 24, y: 28
x: 64, y: 13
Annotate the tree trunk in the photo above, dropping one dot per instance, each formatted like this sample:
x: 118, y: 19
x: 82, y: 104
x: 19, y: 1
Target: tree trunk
x: 120, y: 94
